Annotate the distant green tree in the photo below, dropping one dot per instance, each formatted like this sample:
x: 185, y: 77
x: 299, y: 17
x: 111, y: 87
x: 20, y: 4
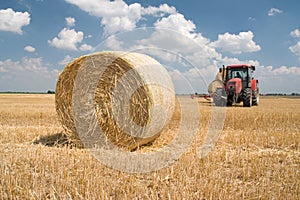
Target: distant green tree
x: 50, y: 92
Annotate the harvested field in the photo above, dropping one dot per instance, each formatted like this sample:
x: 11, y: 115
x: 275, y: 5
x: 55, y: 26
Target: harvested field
x: 256, y: 157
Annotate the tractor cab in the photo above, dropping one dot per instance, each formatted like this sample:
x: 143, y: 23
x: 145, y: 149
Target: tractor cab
x: 243, y: 72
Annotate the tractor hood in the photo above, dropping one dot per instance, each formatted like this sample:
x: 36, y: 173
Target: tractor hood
x: 234, y: 85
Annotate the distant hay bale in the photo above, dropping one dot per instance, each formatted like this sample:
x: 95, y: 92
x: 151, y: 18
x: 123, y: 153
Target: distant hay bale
x: 215, y: 84
x: 134, y: 97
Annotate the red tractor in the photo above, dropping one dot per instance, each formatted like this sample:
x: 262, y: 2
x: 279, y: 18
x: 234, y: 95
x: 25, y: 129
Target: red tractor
x: 238, y: 86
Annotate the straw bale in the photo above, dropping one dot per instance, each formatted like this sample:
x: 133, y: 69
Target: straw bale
x: 133, y: 96
x: 215, y: 84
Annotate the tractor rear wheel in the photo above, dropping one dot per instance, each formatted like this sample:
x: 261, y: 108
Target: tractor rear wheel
x: 247, y: 97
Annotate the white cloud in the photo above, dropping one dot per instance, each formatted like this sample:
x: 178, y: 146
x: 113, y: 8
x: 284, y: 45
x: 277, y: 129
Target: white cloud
x: 236, y: 44
x: 270, y: 71
x: 274, y: 11
x: 85, y: 47
x: 118, y: 15
x: 162, y: 9
x: 13, y: 21
x: 29, y: 48
x: 183, y: 26
x: 283, y: 79
x: 115, y: 24
x: 18, y: 75
x: 295, y: 33
x: 284, y: 70
x: 70, y: 39
x: 113, y: 43
x: 295, y: 49
x: 183, y: 39
x: 67, y: 39
x: 70, y: 21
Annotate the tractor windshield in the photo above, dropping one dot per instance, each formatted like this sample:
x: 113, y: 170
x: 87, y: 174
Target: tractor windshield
x: 241, y: 73
x: 237, y: 73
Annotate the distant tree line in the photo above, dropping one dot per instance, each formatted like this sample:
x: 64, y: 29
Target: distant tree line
x: 266, y: 94
x: 13, y: 92
x: 281, y: 94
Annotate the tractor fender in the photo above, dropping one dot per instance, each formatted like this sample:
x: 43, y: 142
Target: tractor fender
x: 254, y: 84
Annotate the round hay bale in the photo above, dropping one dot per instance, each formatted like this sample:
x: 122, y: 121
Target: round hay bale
x: 215, y: 84
x: 133, y: 96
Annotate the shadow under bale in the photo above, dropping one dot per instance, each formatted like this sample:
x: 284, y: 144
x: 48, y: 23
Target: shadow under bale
x: 57, y: 140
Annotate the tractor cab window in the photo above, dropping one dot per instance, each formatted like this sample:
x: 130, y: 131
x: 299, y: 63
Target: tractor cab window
x: 250, y: 72
x: 237, y: 73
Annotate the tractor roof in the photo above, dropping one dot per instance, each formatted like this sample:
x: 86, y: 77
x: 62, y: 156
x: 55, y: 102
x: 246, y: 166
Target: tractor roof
x: 240, y: 66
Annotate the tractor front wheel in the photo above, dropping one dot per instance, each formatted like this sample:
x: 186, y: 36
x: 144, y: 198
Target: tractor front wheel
x: 255, y: 100
x: 230, y: 100
x: 247, y: 97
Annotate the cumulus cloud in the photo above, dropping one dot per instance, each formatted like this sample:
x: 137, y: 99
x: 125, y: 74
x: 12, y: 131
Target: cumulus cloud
x: 118, y: 15
x: 274, y: 11
x: 13, y: 21
x: 70, y: 39
x: 29, y: 48
x: 67, y: 39
x: 159, y: 11
x: 295, y: 33
x: 113, y: 43
x: 236, y: 44
x: 18, y: 75
x: 283, y: 79
x: 183, y: 40
x: 284, y: 70
x: 85, y: 47
x: 70, y: 21
x: 183, y: 26
x: 295, y: 49
x: 270, y: 71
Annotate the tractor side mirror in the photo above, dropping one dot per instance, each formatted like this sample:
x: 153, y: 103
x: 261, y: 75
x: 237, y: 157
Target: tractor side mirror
x: 253, y: 67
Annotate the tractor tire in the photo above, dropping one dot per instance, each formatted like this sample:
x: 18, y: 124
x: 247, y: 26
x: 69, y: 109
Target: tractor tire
x: 230, y: 100
x: 218, y: 99
x: 255, y: 100
x: 247, y: 97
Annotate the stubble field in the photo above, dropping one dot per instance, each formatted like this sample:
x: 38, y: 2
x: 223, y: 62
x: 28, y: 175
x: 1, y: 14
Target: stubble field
x: 257, y: 156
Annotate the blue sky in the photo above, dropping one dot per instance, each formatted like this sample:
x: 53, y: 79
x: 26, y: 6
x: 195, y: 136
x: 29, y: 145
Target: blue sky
x: 39, y: 37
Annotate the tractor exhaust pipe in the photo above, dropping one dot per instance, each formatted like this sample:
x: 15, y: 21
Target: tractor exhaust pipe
x: 223, y: 73
x: 222, y: 70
